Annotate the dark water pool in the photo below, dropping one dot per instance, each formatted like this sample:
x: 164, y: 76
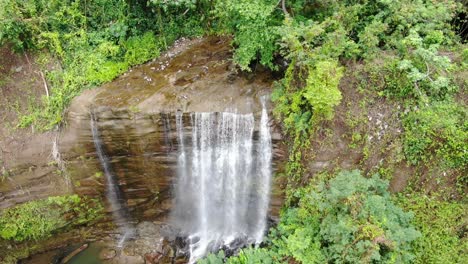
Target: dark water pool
x: 88, y: 256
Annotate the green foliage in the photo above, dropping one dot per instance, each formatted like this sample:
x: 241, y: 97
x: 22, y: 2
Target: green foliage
x: 309, y: 91
x: 438, y: 130
x: 23, y: 21
x: 94, y: 41
x: 441, y: 224
x: 353, y: 29
x: 388, y: 80
x: 316, y: 37
x: 415, y: 32
x: 246, y: 256
x: 252, y: 23
x: 38, y: 23
x: 303, y: 108
x: 322, y: 88
x: 40, y: 218
x: 140, y: 49
x: 426, y: 69
x: 166, y: 4
x: 316, y: 99
x: 181, y: 18
x: 416, y: 29
x: 252, y: 256
x: 348, y: 219
x: 213, y: 258
x: 465, y: 56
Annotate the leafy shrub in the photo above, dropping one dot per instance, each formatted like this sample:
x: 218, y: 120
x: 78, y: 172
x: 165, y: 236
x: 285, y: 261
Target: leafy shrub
x: 316, y: 99
x: 408, y: 35
x: 348, y: 219
x: 465, y: 56
x: 388, y: 80
x: 426, y: 69
x: 441, y: 224
x: 438, y: 130
x: 322, y: 88
x: 38, y: 219
x: 246, y: 256
x: 165, y: 4
x: 26, y: 23
x: 415, y: 30
x: 141, y: 49
x: 252, y: 23
x: 253, y: 256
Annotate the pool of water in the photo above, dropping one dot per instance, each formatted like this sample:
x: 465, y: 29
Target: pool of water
x: 88, y: 256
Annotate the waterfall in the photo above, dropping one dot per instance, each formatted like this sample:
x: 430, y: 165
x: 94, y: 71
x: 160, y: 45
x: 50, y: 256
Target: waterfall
x: 223, y: 185
x: 113, y: 193
x: 264, y: 164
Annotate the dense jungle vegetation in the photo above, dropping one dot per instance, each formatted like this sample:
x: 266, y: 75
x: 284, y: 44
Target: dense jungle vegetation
x: 412, y: 52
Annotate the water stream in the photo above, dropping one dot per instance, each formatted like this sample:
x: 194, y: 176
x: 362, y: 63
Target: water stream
x: 113, y: 193
x: 222, y: 193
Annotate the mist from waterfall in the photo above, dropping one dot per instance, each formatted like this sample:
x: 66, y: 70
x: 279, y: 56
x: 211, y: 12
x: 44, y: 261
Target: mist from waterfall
x: 223, y: 188
x: 113, y: 193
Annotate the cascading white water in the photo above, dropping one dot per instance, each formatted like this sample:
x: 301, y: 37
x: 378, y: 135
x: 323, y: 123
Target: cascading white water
x: 222, y: 193
x: 264, y: 165
x: 113, y: 193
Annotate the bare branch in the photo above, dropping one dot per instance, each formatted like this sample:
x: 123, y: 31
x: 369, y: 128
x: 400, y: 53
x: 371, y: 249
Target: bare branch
x: 45, y: 83
x: 283, y: 6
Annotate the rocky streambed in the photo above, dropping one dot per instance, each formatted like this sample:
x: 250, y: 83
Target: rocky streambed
x: 136, y: 117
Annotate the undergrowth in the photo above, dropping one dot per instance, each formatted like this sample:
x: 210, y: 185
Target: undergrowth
x: 443, y: 228
x: 93, y: 41
x: 39, y: 219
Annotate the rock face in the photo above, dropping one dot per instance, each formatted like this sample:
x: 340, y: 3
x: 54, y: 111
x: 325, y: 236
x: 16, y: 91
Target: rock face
x: 143, y: 152
x: 29, y: 171
x: 136, y: 119
x: 26, y: 171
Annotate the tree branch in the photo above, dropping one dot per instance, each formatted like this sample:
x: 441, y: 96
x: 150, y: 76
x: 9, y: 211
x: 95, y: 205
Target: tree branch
x: 45, y: 83
x: 283, y: 6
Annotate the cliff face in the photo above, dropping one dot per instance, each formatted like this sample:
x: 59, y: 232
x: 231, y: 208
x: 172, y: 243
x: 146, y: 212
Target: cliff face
x: 136, y: 119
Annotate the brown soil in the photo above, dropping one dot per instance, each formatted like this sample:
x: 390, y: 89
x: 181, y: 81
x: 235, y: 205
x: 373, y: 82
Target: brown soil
x: 19, y: 84
x: 24, y: 153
